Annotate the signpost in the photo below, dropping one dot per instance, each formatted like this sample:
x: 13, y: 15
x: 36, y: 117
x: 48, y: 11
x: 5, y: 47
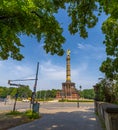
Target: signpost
x: 35, y: 107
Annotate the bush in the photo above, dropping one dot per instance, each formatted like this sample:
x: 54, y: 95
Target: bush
x: 86, y: 100
x: 15, y: 113
x: 28, y: 113
x: 32, y: 115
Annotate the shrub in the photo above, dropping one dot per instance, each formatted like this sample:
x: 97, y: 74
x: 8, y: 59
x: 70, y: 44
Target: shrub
x: 32, y: 115
x: 15, y: 113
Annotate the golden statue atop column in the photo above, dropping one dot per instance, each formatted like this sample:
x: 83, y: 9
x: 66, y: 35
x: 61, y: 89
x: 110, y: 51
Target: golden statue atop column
x: 68, y: 88
x: 68, y: 52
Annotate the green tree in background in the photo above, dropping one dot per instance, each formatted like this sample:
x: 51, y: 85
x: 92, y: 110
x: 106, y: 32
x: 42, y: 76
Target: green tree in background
x: 3, y: 92
x: 13, y: 93
x: 41, y: 94
x: 88, y: 93
x: 10, y: 89
x: 47, y: 94
x: 24, y: 92
x: 107, y: 90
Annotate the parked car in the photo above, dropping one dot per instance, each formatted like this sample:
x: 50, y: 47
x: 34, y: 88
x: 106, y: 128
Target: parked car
x: 25, y: 100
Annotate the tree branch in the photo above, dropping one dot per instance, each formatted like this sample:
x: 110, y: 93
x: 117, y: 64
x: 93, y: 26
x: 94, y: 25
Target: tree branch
x: 36, y: 14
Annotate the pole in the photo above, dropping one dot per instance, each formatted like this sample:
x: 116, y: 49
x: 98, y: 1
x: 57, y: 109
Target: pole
x: 36, y: 78
x: 35, y: 84
x: 16, y: 96
x: 35, y: 107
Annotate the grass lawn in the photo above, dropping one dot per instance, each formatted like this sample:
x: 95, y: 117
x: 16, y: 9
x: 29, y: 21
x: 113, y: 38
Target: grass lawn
x: 12, y: 119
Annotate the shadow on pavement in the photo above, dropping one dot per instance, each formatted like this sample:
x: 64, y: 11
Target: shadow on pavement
x: 75, y: 120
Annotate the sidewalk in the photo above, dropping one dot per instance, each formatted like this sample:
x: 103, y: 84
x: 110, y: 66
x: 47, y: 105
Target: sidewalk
x: 82, y: 118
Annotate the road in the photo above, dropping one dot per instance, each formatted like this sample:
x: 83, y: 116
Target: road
x: 64, y: 116
x: 8, y: 106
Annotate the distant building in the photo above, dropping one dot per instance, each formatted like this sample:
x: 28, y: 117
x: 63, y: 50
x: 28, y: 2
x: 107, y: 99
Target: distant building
x: 68, y: 88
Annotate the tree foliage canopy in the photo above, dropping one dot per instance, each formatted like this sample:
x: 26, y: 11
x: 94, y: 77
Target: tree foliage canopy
x: 29, y: 17
x: 106, y: 90
x: 37, y: 18
x: 110, y: 29
x: 87, y: 93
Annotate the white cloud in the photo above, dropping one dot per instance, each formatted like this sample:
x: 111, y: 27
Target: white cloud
x: 92, y: 51
x: 50, y: 75
x: 81, y: 46
x: 12, y: 71
x: 91, y: 47
x: 81, y: 76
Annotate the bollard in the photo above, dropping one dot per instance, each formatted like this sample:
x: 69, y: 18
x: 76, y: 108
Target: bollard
x: 35, y: 107
x: 77, y: 104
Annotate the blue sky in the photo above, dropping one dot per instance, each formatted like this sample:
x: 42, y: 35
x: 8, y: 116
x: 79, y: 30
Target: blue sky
x: 86, y: 58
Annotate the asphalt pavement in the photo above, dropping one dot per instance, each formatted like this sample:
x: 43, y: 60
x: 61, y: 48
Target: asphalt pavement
x: 64, y: 116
